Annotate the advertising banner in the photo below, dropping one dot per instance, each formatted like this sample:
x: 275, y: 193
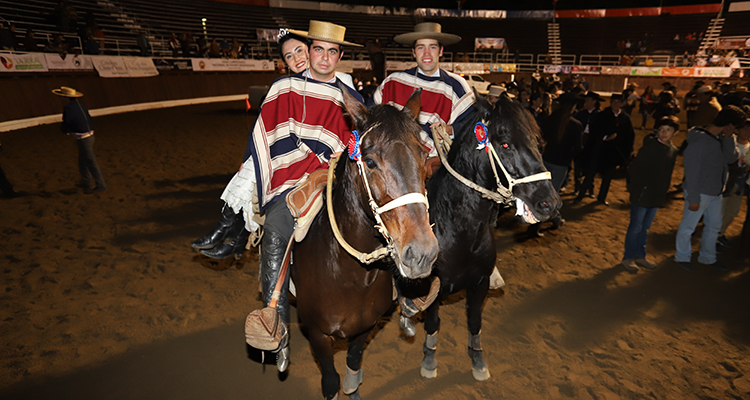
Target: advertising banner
x: 677, y: 72
x: 504, y: 68
x: 713, y: 72
x: 645, y: 71
x: 552, y: 69
x: 742, y: 42
x: 615, y: 71
x: 489, y: 43
x: 585, y: 70
x: 221, y: 64
x: 110, y: 67
x: 471, y: 68
x: 69, y: 63
x: 31, y: 62
x: 170, y: 64
x: 140, y: 67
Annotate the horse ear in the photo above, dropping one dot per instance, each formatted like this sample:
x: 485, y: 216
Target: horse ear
x: 414, y: 104
x: 481, y: 104
x: 356, y: 110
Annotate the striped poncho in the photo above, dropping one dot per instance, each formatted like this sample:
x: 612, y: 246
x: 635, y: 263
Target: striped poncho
x: 300, y: 125
x: 445, y: 98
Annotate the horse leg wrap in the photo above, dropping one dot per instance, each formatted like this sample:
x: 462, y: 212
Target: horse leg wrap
x: 429, y: 364
x: 352, y: 380
x: 496, y: 280
x: 478, y: 367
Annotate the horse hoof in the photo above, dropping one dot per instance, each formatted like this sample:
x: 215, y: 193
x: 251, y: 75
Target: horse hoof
x: 429, y: 373
x: 481, y: 374
x: 407, y: 326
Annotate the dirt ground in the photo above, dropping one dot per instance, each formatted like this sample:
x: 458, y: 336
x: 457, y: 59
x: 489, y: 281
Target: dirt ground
x: 103, y: 298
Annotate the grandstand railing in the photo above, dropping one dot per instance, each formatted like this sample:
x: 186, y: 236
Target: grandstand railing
x: 565, y: 59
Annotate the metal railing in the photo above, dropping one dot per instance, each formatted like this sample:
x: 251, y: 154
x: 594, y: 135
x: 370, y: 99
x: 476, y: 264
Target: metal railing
x: 599, y: 60
x: 548, y: 59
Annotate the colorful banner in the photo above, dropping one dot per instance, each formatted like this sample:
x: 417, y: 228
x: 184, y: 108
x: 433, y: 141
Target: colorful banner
x: 713, y: 72
x: 140, y: 67
x: 489, y: 43
x: 170, y: 64
x: 645, y: 71
x: 31, y: 62
x: 677, y: 72
x: 69, y: 63
x: 615, y: 71
x: 504, y: 68
x: 585, y: 70
x: 222, y: 64
x: 110, y: 67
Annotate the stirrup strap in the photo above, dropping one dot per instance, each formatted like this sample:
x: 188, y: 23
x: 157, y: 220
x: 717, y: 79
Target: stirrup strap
x: 282, y: 275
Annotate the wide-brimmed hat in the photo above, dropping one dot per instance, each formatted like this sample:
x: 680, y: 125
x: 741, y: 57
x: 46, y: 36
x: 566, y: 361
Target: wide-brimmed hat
x: 705, y: 89
x: 325, y: 31
x: 67, y: 92
x: 497, y: 91
x: 427, y: 30
x: 593, y: 95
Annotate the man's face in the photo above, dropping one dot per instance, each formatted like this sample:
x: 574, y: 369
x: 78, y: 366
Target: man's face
x: 744, y: 132
x: 323, y: 59
x: 523, y: 96
x: 589, y: 103
x: 427, y: 52
x: 616, y: 105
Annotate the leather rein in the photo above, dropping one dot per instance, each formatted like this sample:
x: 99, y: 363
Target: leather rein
x: 501, y: 194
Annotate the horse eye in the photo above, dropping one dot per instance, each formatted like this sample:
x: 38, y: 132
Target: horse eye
x: 370, y: 163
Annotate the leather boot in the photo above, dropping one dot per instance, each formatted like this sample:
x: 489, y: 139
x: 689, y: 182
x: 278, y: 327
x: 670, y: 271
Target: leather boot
x: 219, y: 232
x: 234, y: 244
x: 272, y: 249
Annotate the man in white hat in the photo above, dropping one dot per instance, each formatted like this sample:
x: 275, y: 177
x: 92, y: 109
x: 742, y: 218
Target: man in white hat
x: 302, y: 120
x: 77, y: 122
x: 446, y: 97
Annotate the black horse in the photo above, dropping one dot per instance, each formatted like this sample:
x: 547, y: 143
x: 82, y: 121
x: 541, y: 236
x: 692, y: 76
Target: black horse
x: 464, y: 220
x: 337, y: 296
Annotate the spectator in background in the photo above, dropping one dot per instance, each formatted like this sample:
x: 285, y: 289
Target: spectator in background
x: 174, y: 44
x: 8, y: 39
x: 613, y: 136
x: 91, y: 45
x: 736, y: 187
x: 29, y: 42
x: 710, y: 149
x: 647, y: 102
x: 77, y: 123
x: 186, y: 41
x: 665, y: 105
x: 215, y: 51
x: 692, y: 102
x: 649, y: 179
x: 630, y: 98
x: 236, y: 48
x: 583, y: 159
x: 143, y: 44
x: 708, y: 107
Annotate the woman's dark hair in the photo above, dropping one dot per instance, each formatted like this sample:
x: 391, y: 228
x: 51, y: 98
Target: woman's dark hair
x: 286, y: 37
x: 669, y: 120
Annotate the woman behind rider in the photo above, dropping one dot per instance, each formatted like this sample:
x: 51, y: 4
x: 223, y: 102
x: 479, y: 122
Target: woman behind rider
x: 230, y: 235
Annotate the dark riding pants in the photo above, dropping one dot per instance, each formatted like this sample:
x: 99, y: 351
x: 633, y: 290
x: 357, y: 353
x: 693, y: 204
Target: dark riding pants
x: 278, y: 229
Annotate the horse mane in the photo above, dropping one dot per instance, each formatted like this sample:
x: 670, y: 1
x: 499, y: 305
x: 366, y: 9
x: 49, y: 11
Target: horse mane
x: 517, y: 121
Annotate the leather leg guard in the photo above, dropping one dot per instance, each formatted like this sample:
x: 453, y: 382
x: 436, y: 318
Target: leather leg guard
x: 273, y: 246
x: 478, y: 367
x: 218, y: 233
x: 352, y: 380
x: 429, y: 364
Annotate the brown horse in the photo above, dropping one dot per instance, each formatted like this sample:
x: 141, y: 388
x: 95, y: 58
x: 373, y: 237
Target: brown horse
x: 337, y: 296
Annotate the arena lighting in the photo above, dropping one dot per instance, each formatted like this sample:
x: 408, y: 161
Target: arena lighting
x: 205, y: 32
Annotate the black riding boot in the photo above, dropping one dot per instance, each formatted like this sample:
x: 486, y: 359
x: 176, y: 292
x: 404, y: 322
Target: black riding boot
x: 233, y: 244
x: 272, y: 249
x: 219, y: 232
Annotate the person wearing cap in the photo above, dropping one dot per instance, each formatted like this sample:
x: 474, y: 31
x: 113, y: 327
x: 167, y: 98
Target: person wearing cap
x: 76, y: 122
x: 583, y: 158
x: 711, y: 148
x: 708, y: 107
x: 612, y: 135
x: 649, y: 179
x: 446, y: 97
x: 692, y: 102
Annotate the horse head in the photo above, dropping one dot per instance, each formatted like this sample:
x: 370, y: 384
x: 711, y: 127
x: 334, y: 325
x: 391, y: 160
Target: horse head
x: 515, y: 136
x: 392, y: 160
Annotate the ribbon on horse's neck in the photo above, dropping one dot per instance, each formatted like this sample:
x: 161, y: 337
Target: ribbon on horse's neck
x: 501, y: 194
x: 408, y: 198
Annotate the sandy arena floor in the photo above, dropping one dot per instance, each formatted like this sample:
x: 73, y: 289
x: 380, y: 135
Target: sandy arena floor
x: 103, y: 298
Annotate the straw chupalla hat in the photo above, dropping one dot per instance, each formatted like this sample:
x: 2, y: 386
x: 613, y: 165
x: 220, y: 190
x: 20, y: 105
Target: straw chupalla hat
x: 67, y: 92
x: 325, y: 31
x: 427, y: 30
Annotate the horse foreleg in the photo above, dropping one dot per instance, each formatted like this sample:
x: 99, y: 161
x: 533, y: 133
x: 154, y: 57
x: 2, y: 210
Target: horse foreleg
x: 322, y: 346
x: 474, y: 300
x: 353, y: 377
x: 431, y: 326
